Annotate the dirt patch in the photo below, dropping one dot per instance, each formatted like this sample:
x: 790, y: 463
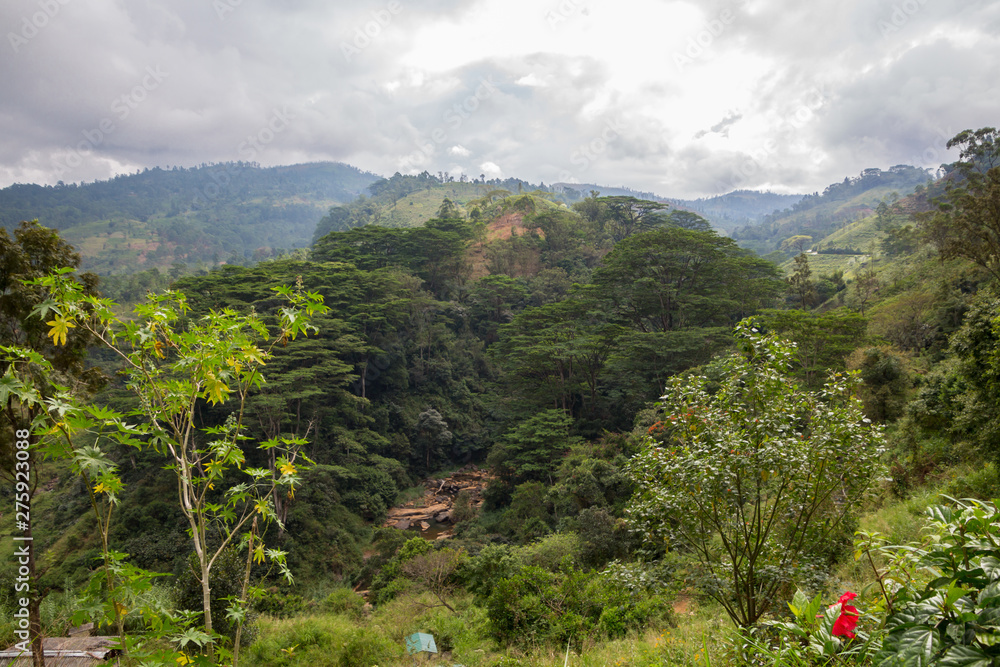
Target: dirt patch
x: 435, y: 506
x: 503, y: 227
x: 684, y: 604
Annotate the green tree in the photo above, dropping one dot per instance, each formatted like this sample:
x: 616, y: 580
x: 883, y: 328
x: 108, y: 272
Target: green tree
x: 688, y: 220
x: 758, y: 478
x: 448, y: 209
x: 494, y: 300
x: 798, y: 242
x: 886, y: 377
x: 432, y: 434
x: 531, y: 450
x: 822, y: 340
x: 800, y: 283
x: 174, y: 367
x: 671, y: 278
x: 624, y: 216
x: 968, y: 223
x: 33, y: 252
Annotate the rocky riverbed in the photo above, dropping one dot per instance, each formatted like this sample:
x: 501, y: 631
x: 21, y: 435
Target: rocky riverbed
x: 432, y: 512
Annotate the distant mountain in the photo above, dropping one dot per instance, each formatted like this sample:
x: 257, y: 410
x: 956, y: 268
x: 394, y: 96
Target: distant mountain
x: 606, y: 191
x: 725, y: 212
x: 818, y: 215
x: 232, y: 212
x: 739, y: 208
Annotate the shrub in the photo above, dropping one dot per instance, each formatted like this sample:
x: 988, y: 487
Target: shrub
x: 494, y: 563
x: 366, y: 647
x: 537, y: 606
x: 345, y: 601
x: 552, y: 551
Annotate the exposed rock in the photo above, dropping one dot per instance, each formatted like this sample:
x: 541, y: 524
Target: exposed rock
x: 438, y: 500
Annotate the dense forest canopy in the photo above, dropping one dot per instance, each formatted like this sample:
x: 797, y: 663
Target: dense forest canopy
x: 652, y: 405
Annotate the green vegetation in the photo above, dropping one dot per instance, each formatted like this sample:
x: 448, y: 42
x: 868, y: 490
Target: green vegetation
x: 660, y: 491
x: 199, y: 217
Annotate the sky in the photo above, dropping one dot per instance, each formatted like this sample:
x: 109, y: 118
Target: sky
x: 684, y: 98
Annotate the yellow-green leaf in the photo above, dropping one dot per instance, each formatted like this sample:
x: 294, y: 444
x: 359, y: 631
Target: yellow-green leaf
x: 60, y: 327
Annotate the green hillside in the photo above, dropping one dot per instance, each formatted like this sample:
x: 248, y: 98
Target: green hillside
x: 207, y: 215
x: 840, y: 204
x: 513, y: 426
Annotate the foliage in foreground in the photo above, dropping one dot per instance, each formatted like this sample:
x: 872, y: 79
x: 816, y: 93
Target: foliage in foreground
x: 758, y: 479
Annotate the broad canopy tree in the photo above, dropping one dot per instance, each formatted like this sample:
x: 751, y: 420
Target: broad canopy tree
x: 968, y: 223
x: 758, y: 479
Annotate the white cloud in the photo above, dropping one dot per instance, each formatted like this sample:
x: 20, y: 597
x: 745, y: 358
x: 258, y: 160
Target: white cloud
x: 491, y: 170
x: 460, y: 151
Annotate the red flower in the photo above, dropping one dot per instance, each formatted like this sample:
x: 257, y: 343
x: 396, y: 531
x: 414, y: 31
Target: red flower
x: 848, y: 619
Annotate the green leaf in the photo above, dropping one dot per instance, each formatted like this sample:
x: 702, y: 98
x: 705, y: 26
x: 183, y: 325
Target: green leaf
x: 965, y: 656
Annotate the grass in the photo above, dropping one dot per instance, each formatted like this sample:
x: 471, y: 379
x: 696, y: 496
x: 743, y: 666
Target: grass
x: 328, y: 639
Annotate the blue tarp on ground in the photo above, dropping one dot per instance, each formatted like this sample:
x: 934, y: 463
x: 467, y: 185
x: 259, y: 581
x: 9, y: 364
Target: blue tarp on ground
x: 420, y: 641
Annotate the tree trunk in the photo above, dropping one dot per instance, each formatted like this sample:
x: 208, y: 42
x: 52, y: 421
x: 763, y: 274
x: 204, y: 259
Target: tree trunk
x: 206, y: 601
x: 34, y: 602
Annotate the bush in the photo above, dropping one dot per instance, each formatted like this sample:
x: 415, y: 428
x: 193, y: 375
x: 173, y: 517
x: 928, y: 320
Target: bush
x: 345, y: 601
x: 493, y: 564
x: 462, y: 509
x: 389, y: 582
x: 536, y: 606
x: 953, y: 619
x: 280, y: 605
x: 553, y: 551
x: 227, y: 582
x: 367, y: 647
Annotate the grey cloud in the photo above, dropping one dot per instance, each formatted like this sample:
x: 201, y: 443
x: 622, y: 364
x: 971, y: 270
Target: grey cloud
x: 844, y: 93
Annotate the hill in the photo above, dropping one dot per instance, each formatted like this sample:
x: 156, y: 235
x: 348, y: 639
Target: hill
x: 209, y: 214
x: 409, y: 201
x: 738, y: 208
x: 840, y: 204
x: 726, y: 212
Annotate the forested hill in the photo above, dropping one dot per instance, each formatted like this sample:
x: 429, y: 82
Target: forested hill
x: 739, y: 207
x: 726, y: 212
x: 579, y: 356
x: 206, y: 215
x: 840, y: 204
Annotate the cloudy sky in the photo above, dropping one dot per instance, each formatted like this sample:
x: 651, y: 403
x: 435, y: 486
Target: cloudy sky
x: 685, y: 98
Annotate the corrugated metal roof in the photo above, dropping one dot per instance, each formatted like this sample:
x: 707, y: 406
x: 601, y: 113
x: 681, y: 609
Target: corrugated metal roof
x: 65, y: 652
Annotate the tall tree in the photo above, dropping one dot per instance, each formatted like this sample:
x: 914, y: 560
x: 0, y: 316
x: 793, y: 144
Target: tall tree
x: 33, y: 252
x: 800, y: 282
x: 174, y: 367
x: 968, y: 224
x: 624, y: 216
